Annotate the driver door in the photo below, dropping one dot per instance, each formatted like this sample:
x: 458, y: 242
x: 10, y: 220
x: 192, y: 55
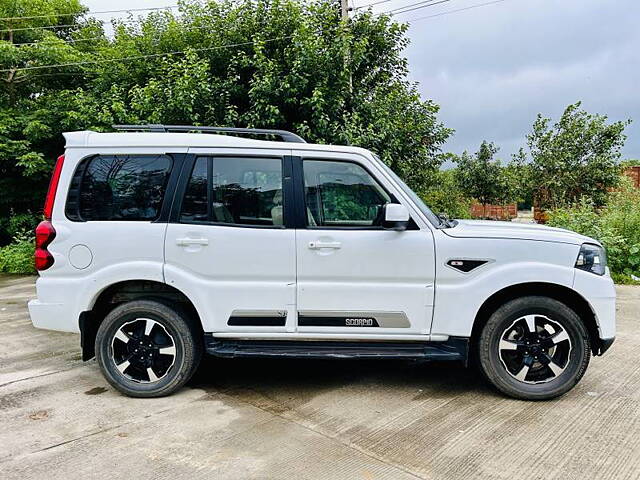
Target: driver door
x: 353, y: 276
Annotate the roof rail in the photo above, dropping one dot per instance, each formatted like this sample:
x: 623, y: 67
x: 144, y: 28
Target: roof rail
x: 283, y: 134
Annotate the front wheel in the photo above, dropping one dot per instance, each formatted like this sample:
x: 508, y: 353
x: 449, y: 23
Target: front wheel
x: 147, y: 349
x: 534, y: 348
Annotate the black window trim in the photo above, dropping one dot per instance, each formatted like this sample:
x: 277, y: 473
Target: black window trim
x: 301, y: 201
x: 287, y: 200
x: 167, y: 197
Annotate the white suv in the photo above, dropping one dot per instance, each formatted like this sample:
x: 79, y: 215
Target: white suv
x: 160, y: 244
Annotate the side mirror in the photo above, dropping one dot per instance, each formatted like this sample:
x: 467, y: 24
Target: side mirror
x: 396, y: 217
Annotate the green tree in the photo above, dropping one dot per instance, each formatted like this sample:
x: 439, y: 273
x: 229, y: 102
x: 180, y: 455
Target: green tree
x: 481, y: 177
x: 264, y: 63
x: 576, y: 157
x: 33, y: 33
x: 443, y: 194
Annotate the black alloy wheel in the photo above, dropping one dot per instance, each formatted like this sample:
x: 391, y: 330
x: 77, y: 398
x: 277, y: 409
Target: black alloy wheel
x: 148, y: 349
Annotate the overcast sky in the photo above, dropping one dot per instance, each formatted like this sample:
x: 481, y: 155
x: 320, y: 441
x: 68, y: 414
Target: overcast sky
x: 493, y: 68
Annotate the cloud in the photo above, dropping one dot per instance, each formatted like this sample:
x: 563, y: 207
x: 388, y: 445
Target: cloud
x: 493, y: 69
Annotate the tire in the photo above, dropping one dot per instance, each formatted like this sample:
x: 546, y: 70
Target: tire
x: 534, y: 348
x: 145, y: 334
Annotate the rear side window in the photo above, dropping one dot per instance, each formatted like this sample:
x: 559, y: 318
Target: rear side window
x: 119, y: 187
x: 241, y: 191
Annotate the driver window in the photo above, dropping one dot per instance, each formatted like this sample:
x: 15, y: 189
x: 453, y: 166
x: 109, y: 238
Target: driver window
x: 342, y: 194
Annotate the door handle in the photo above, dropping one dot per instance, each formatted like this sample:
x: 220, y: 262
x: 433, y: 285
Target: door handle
x: 318, y: 244
x: 185, y: 242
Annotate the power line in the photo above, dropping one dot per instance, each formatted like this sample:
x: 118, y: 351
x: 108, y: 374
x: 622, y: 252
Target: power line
x: 391, y: 13
x: 88, y: 13
x: 371, y: 4
x: 140, y: 57
x: 456, y: 10
x: 48, y: 27
x: 189, y: 28
x: 54, y: 27
x: 416, y: 6
x: 71, y: 40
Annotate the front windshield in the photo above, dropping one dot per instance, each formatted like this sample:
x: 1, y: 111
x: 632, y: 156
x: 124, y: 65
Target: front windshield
x: 433, y: 218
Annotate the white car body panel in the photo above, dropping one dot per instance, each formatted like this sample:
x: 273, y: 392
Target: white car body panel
x: 273, y: 269
x: 459, y: 295
x: 241, y: 269
x: 368, y: 271
x: 600, y: 292
x: 119, y: 251
x: 515, y: 231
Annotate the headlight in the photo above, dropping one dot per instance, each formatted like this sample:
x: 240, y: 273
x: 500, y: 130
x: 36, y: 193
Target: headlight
x: 592, y: 258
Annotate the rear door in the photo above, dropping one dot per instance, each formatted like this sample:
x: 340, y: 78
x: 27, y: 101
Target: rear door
x: 228, y: 245
x: 354, y: 277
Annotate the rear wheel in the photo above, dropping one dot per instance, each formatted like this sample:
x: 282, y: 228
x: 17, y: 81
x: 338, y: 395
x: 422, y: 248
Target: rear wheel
x: 147, y: 349
x: 534, y: 348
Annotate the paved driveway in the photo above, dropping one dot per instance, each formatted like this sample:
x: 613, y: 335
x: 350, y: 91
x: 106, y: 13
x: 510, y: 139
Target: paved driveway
x: 308, y: 419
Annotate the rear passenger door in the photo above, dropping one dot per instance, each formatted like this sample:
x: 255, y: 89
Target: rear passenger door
x: 228, y: 245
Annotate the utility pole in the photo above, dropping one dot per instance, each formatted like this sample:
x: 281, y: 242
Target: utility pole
x: 344, y: 14
x: 344, y: 10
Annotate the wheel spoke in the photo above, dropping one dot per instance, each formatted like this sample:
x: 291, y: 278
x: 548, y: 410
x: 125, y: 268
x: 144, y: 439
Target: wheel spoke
x: 152, y: 376
x: 531, y: 323
x: 560, y: 337
x: 508, y: 345
x: 553, y: 366
x: 168, y: 350
x: 148, y: 326
x: 522, y: 374
x: 123, y: 337
x: 123, y: 366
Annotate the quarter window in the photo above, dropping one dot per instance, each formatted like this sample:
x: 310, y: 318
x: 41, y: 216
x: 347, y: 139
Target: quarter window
x: 194, y: 205
x: 242, y: 191
x: 342, y: 194
x: 120, y: 187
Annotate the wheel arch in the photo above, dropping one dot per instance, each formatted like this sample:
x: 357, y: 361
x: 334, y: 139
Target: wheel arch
x: 124, y: 291
x: 566, y: 295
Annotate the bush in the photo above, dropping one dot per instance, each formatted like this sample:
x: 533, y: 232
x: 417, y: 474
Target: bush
x: 17, y: 257
x: 444, y: 196
x: 17, y: 225
x: 616, y: 226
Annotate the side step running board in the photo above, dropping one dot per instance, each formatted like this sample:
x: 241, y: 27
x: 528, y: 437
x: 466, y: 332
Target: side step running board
x: 453, y: 349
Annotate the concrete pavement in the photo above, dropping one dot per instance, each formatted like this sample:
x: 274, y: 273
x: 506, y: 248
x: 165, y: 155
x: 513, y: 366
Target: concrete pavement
x: 279, y: 419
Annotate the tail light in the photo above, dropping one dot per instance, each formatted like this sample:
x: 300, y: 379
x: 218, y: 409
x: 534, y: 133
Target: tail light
x: 53, y: 188
x: 45, y: 233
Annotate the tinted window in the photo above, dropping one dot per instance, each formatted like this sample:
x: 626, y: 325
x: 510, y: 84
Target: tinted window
x: 243, y: 191
x: 123, y: 187
x: 342, y: 194
x: 194, y: 205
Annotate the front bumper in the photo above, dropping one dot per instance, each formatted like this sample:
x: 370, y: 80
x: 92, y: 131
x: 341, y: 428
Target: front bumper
x: 600, y: 293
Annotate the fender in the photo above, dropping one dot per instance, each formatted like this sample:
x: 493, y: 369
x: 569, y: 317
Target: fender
x: 458, y: 302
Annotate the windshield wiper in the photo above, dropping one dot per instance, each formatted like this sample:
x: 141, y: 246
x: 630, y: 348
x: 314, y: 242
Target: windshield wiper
x: 445, y: 221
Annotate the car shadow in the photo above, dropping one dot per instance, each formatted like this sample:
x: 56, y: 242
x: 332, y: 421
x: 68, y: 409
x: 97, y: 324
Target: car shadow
x: 311, y: 376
